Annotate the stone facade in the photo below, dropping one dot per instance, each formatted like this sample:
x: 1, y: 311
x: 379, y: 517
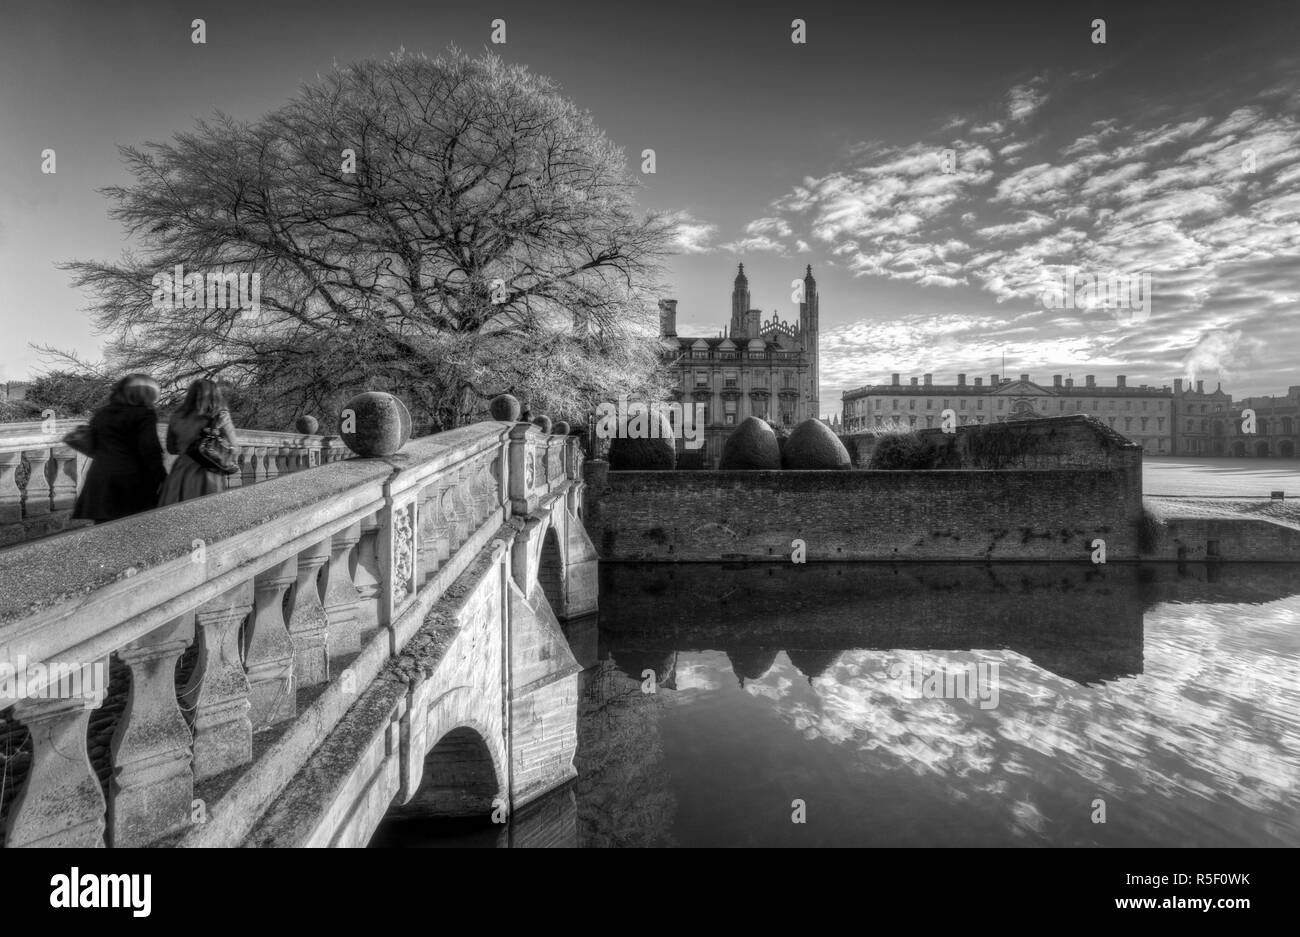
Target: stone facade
x: 1143, y: 414
x: 767, y: 369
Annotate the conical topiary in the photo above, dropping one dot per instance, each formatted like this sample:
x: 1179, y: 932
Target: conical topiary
x: 812, y: 445
x: 644, y: 453
x: 506, y: 408
x: 752, y: 445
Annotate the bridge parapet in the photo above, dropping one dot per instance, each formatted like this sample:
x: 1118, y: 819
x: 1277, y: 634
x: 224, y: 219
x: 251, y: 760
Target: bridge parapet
x: 285, y: 601
x: 40, y: 477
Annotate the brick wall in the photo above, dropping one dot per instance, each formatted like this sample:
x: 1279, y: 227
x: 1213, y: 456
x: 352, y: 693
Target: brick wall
x: 1018, y: 514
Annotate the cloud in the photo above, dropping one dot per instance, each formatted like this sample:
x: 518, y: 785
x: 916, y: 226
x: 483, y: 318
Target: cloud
x: 693, y: 236
x: 1023, y: 101
x: 1205, y: 201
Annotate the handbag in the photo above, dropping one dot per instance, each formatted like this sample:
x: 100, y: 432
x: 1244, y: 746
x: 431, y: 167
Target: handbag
x: 82, y: 439
x: 211, y: 451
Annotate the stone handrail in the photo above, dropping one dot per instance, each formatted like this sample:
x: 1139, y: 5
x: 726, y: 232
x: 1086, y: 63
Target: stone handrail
x: 296, y: 591
x: 40, y: 477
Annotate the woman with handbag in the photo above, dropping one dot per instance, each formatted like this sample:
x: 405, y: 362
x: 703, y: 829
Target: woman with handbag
x: 126, y: 465
x: 201, y: 434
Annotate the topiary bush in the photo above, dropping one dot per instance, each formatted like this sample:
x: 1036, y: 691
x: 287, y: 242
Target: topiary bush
x: 307, y: 424
x: 543, y: 422
x: 900, y: 450
x: 813, y: 445
x: 751, y: 446
x: 561, y: 428
x: 646, y: 454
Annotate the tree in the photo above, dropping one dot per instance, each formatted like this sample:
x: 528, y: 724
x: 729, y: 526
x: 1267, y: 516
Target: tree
x: 69, y: 393
x: 487, y: 242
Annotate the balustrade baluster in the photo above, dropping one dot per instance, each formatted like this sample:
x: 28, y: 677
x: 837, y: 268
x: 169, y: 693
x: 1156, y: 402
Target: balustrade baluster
x: 37, y: 501
x: 65, y: 478
x: 61, y: 803
x: 308, y: 623
x: 217, y: 694
x: 341, y: 598
x: 153, y: 785
x: 268, y: 649
x: 11, y: 496
x: 367, y: 574
x: 259, y: 464
x: 272, y: 462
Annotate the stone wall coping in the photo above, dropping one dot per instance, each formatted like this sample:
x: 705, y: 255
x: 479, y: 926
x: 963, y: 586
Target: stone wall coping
x: 139, y: 572
x: 31, y: 435
x: 429, y: 455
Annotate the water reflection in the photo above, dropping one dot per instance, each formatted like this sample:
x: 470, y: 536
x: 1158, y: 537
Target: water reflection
x: 1169, y: 694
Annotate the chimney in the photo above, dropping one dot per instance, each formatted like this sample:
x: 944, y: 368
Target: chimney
x: 895, y: 377
x: 1090, y: 380
x: 668, y: 318
x: 913, y: 382
x: 1120, y: 380
x: 927, y: 379
x: 1025, y: 378
x: 1178, y: 385
x: 1069, y: 382
x: 1200, y: 387
x: 1056, y: 380
x: 979, y: 382
x: 993, y: 380
x: 961, y: 380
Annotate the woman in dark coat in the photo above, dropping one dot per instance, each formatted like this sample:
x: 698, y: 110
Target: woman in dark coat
x: 204, y: 407
x: 127, y: 466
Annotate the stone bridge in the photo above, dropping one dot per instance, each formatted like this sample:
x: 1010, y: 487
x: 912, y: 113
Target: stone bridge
x: 290, y: 662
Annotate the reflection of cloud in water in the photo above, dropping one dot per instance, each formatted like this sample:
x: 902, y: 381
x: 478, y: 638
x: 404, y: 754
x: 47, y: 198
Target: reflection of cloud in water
x: 1193, y: 728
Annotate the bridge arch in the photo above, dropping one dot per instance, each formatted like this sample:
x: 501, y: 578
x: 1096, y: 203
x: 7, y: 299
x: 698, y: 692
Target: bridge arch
x: 551, y: 570
x: 460, y: 778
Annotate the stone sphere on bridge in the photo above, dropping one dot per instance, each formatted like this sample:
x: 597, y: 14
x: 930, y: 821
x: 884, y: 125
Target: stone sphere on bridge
x: 505, y: 408
x: 543, y: 422
x: 380, y: 424
x: 561, y: 428
x: 752, y: 445
x: 307, y: 424
x: 813, y: 445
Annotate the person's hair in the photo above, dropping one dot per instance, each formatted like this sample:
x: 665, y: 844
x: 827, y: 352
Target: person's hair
x: 204, y: 398
x: 135, y: 390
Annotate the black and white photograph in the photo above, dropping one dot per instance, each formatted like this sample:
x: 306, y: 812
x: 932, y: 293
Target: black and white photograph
x: 645, y: 425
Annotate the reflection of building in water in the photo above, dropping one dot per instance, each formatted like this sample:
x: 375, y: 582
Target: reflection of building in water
x: 812, y: 664
x: 1079, y: 621
x: 751, y: 663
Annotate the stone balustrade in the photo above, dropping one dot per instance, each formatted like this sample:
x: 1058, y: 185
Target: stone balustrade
x: 40, y: 477
x: 284, y: 604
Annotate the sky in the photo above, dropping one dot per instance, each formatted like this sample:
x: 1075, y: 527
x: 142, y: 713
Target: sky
x: 939, y: 166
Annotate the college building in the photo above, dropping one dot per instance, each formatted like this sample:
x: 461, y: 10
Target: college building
x: 1144, y: 414
x: 763, y: 368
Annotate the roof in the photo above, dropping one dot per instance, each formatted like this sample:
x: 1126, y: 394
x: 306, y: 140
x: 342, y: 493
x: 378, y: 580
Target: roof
x: 1008, y: 388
